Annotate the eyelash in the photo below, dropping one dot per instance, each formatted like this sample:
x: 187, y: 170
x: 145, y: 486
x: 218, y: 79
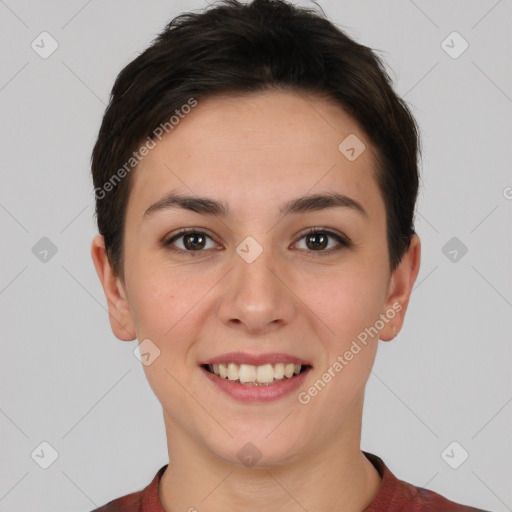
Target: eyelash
x: 344, y: 242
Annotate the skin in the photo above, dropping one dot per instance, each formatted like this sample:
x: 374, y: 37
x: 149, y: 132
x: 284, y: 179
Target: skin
x: 255, y: 152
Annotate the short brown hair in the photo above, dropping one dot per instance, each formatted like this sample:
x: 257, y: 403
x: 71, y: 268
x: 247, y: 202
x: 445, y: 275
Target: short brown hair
x: 236, y: 48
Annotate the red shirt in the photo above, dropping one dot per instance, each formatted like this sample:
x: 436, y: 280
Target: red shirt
x: 394, y: 496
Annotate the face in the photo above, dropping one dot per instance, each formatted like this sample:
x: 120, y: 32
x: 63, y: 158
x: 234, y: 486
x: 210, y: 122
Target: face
x: 252, y: 285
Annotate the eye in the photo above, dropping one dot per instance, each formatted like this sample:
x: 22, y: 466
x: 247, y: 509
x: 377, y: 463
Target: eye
x: 192, y: 241
x: 195, y: 241
x: 317, y: 240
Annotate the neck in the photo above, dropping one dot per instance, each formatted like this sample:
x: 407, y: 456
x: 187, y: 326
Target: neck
x: 337, y: 476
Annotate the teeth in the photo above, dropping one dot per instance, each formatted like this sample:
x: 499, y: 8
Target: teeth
x: 223, y: 371
x: 289, y: 370
x: 253, y: 375
x: 232, y: 371
x: 247, y: 373
x: 264, y: 374
x: 279, y: 371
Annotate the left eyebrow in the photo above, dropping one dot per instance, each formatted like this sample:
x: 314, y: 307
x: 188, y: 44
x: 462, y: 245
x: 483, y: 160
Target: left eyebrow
x: 316, y: 202
x: 208, y: 206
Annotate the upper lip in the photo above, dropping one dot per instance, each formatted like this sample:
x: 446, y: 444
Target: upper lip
x: 255, y: 359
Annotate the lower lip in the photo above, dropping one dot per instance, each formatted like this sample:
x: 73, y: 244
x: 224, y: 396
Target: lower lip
x: 260, y: 393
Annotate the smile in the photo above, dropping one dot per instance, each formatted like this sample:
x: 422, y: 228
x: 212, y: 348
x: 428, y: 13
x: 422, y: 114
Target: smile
x: 251, y: 375
x: 256, y: 378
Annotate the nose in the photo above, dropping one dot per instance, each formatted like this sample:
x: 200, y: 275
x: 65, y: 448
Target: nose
x: 258, y: 295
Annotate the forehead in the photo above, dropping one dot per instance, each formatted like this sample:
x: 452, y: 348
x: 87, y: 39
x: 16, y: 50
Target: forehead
x: 258, y: 148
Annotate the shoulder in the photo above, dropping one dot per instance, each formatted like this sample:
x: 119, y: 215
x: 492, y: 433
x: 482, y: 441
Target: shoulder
x: 145, y: 500
x: 400, y: 496
x: 430, y: 501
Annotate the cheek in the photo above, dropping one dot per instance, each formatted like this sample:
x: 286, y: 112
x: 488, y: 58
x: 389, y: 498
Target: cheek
x: 162, y: 296
x: 347, y: 304
x: 153, y: 308
x: 347, y: 301
x: 166, y: 305
x: 163, y: 312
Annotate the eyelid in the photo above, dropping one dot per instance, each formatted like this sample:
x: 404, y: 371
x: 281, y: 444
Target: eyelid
x: 186, y: 231
x: 329, y: 231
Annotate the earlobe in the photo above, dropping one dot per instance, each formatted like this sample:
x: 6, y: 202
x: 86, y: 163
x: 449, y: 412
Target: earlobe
x: 119, y: 312
x: 400, y: 289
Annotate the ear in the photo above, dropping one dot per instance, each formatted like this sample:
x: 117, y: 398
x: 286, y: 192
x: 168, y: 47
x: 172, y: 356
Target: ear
x: 400, y: 288
x: 119, y: 312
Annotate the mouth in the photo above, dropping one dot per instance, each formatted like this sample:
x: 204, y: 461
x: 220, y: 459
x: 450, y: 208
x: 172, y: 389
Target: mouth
x: 267, y: 374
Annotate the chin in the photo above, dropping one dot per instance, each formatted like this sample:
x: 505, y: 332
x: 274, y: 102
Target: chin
x: 254, y: 450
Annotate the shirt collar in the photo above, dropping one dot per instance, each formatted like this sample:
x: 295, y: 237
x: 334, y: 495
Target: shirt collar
x: 391, y: 490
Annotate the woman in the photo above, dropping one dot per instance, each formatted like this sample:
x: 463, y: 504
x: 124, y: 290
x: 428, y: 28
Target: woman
x: 255, y: 179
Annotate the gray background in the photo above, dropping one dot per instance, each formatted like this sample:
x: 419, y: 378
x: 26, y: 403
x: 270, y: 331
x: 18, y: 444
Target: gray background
x: 65, y: 379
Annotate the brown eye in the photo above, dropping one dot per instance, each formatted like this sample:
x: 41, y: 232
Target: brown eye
x: 194, y: 241
x: 317, y: 240
x: 191, y: 241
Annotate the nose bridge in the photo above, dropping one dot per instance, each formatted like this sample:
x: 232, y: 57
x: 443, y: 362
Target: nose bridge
x: 253, y: 263
x: 256, y: 297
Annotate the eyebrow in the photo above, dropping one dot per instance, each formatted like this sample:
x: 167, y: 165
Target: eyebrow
x: 208, y: 206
